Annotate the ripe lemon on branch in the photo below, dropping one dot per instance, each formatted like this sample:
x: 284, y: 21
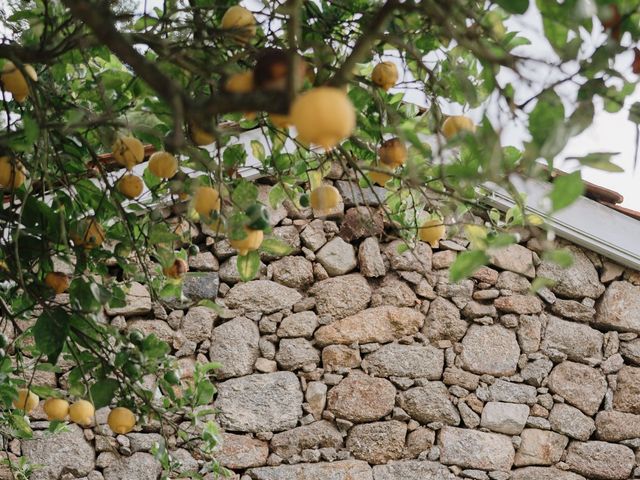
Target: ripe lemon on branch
x: 456, y: 124
x: 56, y: 408
x: 11, y: 173
x: 13, y: 80
x: 121, y: 420
x: 130, y: 186
x: 128, y: 151
x: 385, y: 75
x: 82, y: 412
x: 27, y: 400
x: 163, y: 165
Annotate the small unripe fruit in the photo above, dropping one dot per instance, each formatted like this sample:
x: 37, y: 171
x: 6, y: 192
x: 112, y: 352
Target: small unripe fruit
x: 128, y: 151
x: 56, y: 408
x: 130, y: 186
x: 82, y: 413
x: 26, y: 400
x: 163, y: 165
x: 177, y: 269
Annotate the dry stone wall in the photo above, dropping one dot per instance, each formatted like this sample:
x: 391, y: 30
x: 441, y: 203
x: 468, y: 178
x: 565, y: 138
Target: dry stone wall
x: 348, y: 360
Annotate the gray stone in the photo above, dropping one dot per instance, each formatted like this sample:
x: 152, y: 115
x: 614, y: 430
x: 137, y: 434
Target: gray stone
x: 240, y: 451
x: 276, y: 215
x: 626, y: 396
x: 543, y: 473
x: 613, y: 426
x: 235, y: 345
x: 137, y: 302
x: 420, y: 440
x: 443, y: 322
x: 159, y: 328
x: 353, y: 195
x: 204, y: 262
x: 416, y: 259
x: 301, y: 324
x: 313, y: 236
x: 360, y: 398
x: 412, y: 361
x: 379, y: 324
x: 490, y: 349
x: 581, y: 386
x: 144, y: 442
x: 229, y: 270
x: 336, y: 357
x: 342, y: 296
x: 412, y: 470
x: 316, y: 397
x: 377, y: 442
x: 197, y: 324
x: 259, y: 403
x: 573, y: 310
x: 631, y: 351
x: 261, y: 296
x: 294, y: 353
x: 370, y: 258
x: 540, y: 447
x: 337, y: 257
x: 529, y: 333
x: 579, y: 342
x: 513, y: 282
x: 200, y: 286
x: 340, y: 470
x: 514, y: 258
x: 600, y: 460
x: 469, y: 418
x: 521, y: 304
x: 475, y: 449
x: 570, y: 421
x: 360, y: 222
x: 503, y: 391
x: 320, y: 434
x: 63, y: 452
x: 457, y: 376
x: 507, y: 418
x: 577, y: 281
x: 535, y: 373
x: 429, y: 403
x: 394, y: 292
x: 619, y: 308
x: 139, y: 466
x: 475, y: 309
x: 292, y: 271
x: 287, y: 234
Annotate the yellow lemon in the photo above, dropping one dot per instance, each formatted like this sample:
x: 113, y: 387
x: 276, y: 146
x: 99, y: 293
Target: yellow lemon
x: 128, y: 151
x: 324, y: 116
x: 56, y: 408
x: 121, y: 420
x: 163, y: 165
x: 392, y: 153
x: 89, y: 234
x: 14, y: 82
x: 324, y: 198
x: 130, y: 186
x: 385, y: 75
x: 251, y: 242
x: 379, y: 178
x: 199, y: 136
x: 239, y: 82
x: 432, y: 231
x: 206, y: 200
x: 11, y: 173
x: 57, y: 281
x: 82, y: 413
x: 456, y: 124
x: 241, y: 21
x: 26, y: 400
x: 280, y: 121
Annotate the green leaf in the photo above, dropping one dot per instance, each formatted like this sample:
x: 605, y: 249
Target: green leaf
x: 277, y: 195
x: 204, y: 392
x: 539, y: 283
x: 257, y: 148
x: 466, y: 264
x: 248, y: 265
x: 514, y: 6
x: 566, y: 189
x: 276, y: 247
x: 50, y: 333
x: 561, y: 257
x: 634, y: 113
x: 545, y: 118
x: 600, y: 161
x: 103, y: 391
x: 244, y: 194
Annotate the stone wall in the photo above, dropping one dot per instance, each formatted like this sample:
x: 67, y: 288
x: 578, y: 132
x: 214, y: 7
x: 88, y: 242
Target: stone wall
x: 350, y: 361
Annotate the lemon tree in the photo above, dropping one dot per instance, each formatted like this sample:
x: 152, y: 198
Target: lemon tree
x: 395, y: 93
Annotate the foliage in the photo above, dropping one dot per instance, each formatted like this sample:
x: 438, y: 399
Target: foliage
x: 109, y: 69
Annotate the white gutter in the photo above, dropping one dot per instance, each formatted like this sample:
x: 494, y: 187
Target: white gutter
x: 585, y: 222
